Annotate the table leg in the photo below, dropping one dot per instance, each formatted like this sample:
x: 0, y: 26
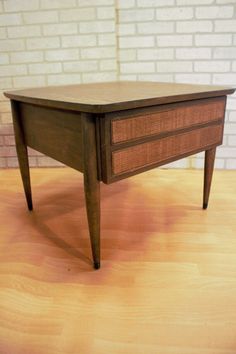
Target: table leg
x: 208, y: 172
x: 91, y: 185
x: 22, y: 152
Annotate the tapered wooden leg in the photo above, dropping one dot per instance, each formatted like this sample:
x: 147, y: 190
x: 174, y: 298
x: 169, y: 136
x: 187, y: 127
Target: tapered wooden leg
x: 22, y: 153
x: 91, y: 185
x: 208, y: 172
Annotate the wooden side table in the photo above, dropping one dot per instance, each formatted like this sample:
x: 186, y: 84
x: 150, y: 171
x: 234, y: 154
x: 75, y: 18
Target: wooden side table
x: 110, y: 131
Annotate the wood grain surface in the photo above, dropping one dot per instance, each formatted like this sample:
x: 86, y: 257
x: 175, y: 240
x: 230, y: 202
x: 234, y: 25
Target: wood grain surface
x: 114, y: 96
x: 168, y: 281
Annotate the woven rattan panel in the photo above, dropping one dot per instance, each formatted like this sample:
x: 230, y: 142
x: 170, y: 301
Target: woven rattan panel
x: 168, y: 120
x: 132, y: 158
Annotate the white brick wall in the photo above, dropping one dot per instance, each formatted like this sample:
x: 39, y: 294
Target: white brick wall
x: 190, y: 41
x: 49, y: 42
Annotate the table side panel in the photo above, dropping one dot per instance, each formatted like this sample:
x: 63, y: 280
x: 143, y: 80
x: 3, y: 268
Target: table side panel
x: 165, y: 119
x: 55, y: 133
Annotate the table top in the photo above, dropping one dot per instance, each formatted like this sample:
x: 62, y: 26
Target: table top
x: 114, y: 96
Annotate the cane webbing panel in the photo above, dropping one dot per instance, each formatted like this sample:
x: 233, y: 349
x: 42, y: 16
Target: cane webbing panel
x: 131, y: 158
x: 167, y: 120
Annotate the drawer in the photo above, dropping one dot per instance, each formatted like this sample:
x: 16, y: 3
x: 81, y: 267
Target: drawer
x: 136, y: 124
x: 160, y: 151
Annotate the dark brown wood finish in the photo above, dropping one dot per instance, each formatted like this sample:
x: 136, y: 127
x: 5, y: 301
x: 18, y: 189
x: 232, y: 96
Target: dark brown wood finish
x: 208, y: 173
x: 111, y: 131
x: 115, y: 96
x: 92, y: 184
x: 22, y: 153
x: 56, y: 133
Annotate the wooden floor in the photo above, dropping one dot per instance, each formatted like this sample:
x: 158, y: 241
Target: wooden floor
x: 168, y: 279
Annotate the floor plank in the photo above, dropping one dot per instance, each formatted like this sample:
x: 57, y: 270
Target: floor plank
x: 168, y: 279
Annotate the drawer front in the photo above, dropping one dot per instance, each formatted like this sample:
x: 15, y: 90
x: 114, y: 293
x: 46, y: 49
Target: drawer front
x: 161, y: 150
x: 169, y: 118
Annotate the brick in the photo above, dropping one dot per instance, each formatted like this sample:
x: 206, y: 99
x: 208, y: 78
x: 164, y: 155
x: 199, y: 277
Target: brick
x: 136, y: 42
x: 156, y: 77
x: 4, y: 59
x: 57, y: 4
x: 174, y: 66
x: 98, y: 53
x: 174, y: 40
x: 127, y: 54
x: 108, y: 65
x: 5, y: 83
x: 194, y: 2
x: 155, y: 54
x: 224, y: 53
x: 212, y: 66
x: 80, y: 66
x: 78, y: 14
x: 232, y: 117
x: 126, y: 29
x: 232, y: 140
x: 95, y: 3
x: 136, y: 15
x: 194, y: 26
x: 226, y: 152
x: 230, y: 128
x: 9, y: 140
x: 26, y: 57
x: 1, y: 140
x: 124, y: 4
x: 5, y: 106
x: 225, y: 26
x: 29, y: 81
x: 97, y: 26
x: 78, y: 41
x: 3, y: 33
x: 214, y: 12
x: 61, y: 55
x: 231, y: 164
x: 20, y: 5
x: 3, y: 162
x: 9, y: 45
x: 175, y: 13
x: 43, y: 43
x: 99, y: 77
x: 6, y: 151
x: 6, y: 118
x: 23, y: 31
x: 193, y: 53
x: 193, y: 78
x: 10, y: 19
x: 59, y: 28
x: 137, y: 67
x: 45, y: 68
x: 231, y: 102
x: 13, y: 70
x: 224, y: 79
x: 155, y: 3
x: 213, y: 39
x: 155, y: 27
x: 40, y: 17
x: 45, y: 161
x: 128, y: 77
x: 64, y: 79
x: 225, y: 2
x: 105, y: 13
x: 107, y: 39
